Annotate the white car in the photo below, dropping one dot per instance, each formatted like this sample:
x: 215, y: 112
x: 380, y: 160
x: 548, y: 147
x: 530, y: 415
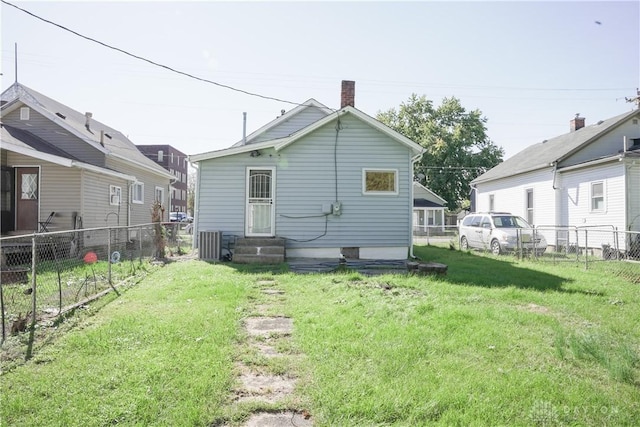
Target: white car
x: 500, y: 232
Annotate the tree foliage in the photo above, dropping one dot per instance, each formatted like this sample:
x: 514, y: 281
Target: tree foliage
x: 457, y: 146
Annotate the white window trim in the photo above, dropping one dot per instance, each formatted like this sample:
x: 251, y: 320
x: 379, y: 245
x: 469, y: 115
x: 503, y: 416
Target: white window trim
x: 133, y: 193
x: 25, y: 113
x: 115, y: 195
x: 379, y: 193
x: 604, y: 197
x: 155, y: 193
x: 526, y: 204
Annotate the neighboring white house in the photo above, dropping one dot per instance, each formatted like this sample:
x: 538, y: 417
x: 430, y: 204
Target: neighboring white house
x: 588, y: 177
x: 324, y: 181
x: 428, y: 209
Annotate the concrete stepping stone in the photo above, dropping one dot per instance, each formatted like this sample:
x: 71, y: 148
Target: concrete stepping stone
x: 269, y: 325
x: 265, y: 388
x: 284, y: 419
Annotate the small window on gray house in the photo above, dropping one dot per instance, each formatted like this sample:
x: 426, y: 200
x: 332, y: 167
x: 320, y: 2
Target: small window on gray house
x: 24, y: 113
x: 379, y: 181
x: 115, y: 194
x: 160, y: 155
x: 137, y: 193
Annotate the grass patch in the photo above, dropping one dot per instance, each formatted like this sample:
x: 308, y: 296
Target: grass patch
x: 495, y: 342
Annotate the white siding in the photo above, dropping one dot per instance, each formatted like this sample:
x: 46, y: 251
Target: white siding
x: 306, y: 180
x: 510, y: 195
x: 633, y: 190
x: 606, y: 145
x: 576, y: 190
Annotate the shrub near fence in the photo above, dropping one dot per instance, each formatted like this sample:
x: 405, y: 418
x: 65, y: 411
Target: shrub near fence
x: 46, y: 274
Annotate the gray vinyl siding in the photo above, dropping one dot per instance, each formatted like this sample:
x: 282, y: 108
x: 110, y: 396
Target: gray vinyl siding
x: 59, y: 190
x: 141, y: 213
x: 96, y: 207
x: 55, y: 135
x: 305, y: 180
x: 294, y: 124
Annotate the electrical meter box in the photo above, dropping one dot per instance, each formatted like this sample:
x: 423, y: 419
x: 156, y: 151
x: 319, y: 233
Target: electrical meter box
x: 337, y: 208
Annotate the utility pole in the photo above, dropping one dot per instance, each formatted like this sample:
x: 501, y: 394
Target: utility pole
x: 635, y: 100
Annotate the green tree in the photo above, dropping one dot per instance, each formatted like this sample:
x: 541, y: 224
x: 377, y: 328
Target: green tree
x: 457, y: 146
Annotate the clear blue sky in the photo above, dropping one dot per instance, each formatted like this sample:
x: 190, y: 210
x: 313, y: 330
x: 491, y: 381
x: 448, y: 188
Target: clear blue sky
x: 528, y: 66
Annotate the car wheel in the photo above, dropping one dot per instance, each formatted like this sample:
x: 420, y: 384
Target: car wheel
x: 464, y: 245
x: 495, y: 247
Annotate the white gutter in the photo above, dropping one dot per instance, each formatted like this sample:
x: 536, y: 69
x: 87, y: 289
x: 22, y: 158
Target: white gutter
x: 591, y: 163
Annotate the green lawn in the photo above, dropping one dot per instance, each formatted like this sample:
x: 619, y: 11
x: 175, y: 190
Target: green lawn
x: 495, y: 342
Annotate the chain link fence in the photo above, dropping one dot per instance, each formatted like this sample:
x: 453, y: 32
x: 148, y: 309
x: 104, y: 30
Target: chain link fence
x: 598, y: 248
x: 44, y: 275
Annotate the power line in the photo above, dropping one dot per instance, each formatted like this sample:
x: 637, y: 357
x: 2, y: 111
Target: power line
x: 166, y: 67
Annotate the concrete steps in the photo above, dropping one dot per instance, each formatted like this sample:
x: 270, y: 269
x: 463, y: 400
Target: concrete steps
x: 259, y: 250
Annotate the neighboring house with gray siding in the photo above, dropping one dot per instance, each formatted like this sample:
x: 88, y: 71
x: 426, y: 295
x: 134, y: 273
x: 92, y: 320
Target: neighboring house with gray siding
x: 327, y: 182
x: 588, y: 177
x: 55, y: 159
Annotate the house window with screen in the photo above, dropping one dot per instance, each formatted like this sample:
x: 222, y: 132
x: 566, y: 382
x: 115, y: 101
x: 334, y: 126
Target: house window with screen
x: 159, y: 194
x: 115, y: 194
x: 597, y: 197
x: 137, y: 193
x: 160, y: 155
x: 380, y: 181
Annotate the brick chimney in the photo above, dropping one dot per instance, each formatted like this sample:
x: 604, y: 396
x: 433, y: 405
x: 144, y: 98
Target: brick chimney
x: 348, y: 94
x: 576, y: 123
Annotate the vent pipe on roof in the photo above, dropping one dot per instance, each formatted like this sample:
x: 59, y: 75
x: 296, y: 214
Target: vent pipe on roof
x: 87, y: 123
x: 244, y: 128
x: 576, y: 123
x: 348, y: 94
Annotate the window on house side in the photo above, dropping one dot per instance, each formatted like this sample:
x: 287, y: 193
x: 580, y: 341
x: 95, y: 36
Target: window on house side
x: 159, y: 194
x: 380, y: 181
x: 597, y: 197
x: 492, y: 204
x: 160, y: 155
x: 137, y: 194
x: 24, y: 113
x: 115, y: 194
x: 530, y: 205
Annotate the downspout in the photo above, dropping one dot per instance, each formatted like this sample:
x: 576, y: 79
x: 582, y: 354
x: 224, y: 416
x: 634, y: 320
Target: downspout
x: 196, y: 206
x: 414, y: 159
x: 555, y: 172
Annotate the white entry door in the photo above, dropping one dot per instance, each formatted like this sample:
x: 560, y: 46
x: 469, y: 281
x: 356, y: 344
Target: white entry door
x: 260, y: 219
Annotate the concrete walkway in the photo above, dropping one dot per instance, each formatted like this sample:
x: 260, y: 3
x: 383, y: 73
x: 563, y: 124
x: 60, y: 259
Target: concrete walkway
x: 255, y: 385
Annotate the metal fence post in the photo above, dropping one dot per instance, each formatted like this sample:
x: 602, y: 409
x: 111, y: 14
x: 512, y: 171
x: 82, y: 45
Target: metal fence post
x: 586, y: 250
x: 34, y: 255
x: 109, y: 255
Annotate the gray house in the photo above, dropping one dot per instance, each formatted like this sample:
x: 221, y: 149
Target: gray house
x: 588, y: 177
x: 65, y: 168
x: 325, y: 182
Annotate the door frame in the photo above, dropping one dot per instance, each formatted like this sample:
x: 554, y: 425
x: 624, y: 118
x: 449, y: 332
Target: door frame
x: 17, y: 192
x: 247, y: 216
